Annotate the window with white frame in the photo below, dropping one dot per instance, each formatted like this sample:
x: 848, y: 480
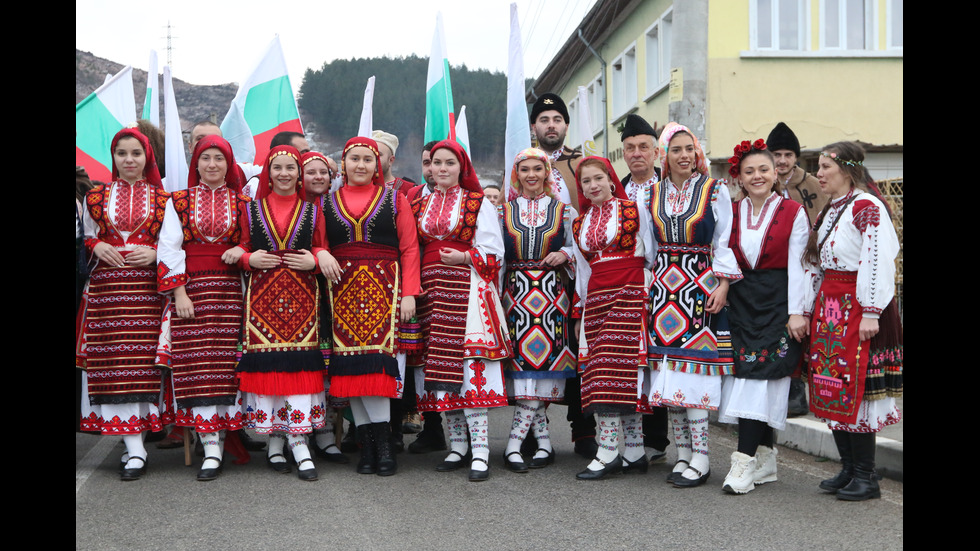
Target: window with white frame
x: 847, y: 25
x: 896, y: 16
x: 624, y: 81
x: 658, y: 53
x: 778, y: 24
x: 596, y: 93
x: 573, y: 125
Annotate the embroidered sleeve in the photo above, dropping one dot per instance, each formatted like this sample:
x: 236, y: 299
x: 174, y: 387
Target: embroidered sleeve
x: 488, y: 243
x: 568, y: 249
x: 796, y: 293
x: 723, y: 262
x: 91, y: 213
x: 879, y: 247
x: 171, y: 258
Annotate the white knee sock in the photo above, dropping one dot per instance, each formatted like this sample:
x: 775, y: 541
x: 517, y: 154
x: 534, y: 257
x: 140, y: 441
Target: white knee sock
x: 135, y: 449
x: 297, y: 445
x: 698, y: 419
x: 277, y: 441
x: 633, y: 437
x: 213, y: 447
x: 458, y: 442
x: 682, y: 436
x: 523, y: 417
x: 608, y: 437
x: 541, y: 431
x: 476, y: 420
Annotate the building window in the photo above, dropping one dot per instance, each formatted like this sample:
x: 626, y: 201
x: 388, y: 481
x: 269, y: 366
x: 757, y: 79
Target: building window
x: 847, y: 25
x: 658, y: 53
x: 624, y: 82
x: 596, y: 104
x: 896, y: 16
x: 778, y: 24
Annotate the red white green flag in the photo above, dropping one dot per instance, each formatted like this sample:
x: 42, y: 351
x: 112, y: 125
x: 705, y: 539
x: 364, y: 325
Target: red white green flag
x: 98, y: 118
x: 439, y: 119
x: 264, y: 106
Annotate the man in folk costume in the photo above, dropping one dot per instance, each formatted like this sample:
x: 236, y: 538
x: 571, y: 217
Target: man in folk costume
x: 803, y: 188
x: 549, y: 124
x: 641, y: 152
x: 388, y: 145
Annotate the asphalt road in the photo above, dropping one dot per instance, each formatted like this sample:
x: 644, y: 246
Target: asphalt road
x: 251, y: 507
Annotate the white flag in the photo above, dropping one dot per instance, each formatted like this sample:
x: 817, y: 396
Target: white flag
x: 176, y: 166
x: 367, y: 111
x: 517, y: 137
x: 151, y: 105
x: 585, y: 134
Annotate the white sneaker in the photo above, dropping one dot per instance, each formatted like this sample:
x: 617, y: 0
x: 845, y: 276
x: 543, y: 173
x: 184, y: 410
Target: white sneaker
x: 765, y: 459
x: 739, y: 479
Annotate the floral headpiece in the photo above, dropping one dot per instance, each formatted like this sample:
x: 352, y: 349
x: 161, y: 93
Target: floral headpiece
x: 740, y: 151
x: 847, y: 162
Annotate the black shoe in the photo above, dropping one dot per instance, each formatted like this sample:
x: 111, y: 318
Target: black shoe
x: 613, y: 467
x: 337, y: 457
x: 349, y: 443
x: 674, y: 474
x: 250, y: 443
x: 309, y: 475
x: 205, y: 475
x: 541, y: 462
x: 864, y: 484
x: 382, y: 441
x: 368, y: 464
x: 587, y: 447
x: 797, y: 399
x: 449, y: 466
x: 639, y: 466
x: 397, y: 442
x: 515, y: 466
x: 479, y: 476
x: 429, y: 440
x: 281, y: 467
x: 134, y: 474
x: 843, y: 478
x: 683, y: 482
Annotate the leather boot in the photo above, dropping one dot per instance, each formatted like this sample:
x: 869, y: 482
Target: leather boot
x: 843, y: 441
x: 797, y: 399
x: 368, y: 463
x: 864, y: 484
x: 382, y: 441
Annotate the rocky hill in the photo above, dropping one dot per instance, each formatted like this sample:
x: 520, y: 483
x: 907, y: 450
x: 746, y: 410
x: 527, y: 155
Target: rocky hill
x: 194, y: 102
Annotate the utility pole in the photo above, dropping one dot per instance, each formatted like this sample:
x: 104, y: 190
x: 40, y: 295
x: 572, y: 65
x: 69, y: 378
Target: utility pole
x: 689, y: 56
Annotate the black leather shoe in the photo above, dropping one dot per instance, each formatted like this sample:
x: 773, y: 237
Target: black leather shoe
x: 674, y: 474
x: 479, y: 476
x: 682, y: 482
x: 864, y: 484
x: 587, y: 447
x: 335, y: 457
x: 515, y: 466
x: 205, y: 475
x: 281, y: 467
x: 613, y: 467
x: 639, y: 466
x: 449, y: 466
x: 134, y: 474
x: 250, y: 443
x: 308, y: 475
x: 429, y: 440
x: 541, y: 462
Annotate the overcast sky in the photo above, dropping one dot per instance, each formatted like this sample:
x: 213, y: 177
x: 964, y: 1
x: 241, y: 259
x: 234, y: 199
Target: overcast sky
x: 219, y: 42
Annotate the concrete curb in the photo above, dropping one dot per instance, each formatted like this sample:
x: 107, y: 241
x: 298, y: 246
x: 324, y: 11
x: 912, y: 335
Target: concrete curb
x: 813, y: 437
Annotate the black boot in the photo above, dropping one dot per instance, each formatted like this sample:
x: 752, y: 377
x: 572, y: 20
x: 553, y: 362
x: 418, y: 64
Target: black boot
x: 368, y: 463
x: 349, y: 443
x: 843, y: 478
x: 432, y: 438
x: 864, y: 484
x: 797, y: 399
x: 382, y: 441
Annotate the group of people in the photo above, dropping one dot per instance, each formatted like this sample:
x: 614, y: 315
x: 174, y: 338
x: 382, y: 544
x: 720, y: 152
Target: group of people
x: 658, y: 296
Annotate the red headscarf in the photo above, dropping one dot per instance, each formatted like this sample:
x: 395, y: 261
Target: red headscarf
x: 467, y: 174
x: 265, y: 181
x: 619, y: 192
x: 361, y: 141
x: 150, y: 170
x: 314, y: 156
x: 232, y: 177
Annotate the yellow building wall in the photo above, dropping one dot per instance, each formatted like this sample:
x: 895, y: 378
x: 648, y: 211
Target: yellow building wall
x: 823, y: 99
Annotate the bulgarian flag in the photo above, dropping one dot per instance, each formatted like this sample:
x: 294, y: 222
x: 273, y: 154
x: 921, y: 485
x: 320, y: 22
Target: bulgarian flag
x: 98, y: 118
x: 463, y: 131
x: 264, y: 106
x: 151, y: 105
x: 439, y: 120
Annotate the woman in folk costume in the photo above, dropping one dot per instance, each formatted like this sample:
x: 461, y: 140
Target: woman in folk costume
x: 855, y: 333
x: 198, y: 263
x: 372, y: 235
x: 281, y: 370
x: 765, y: 308
x: 614, y: 254
x: 124, y: 314
x: 539, y: 248
x: 461, y: 315
x: 317, y: 177
x: 690, y: 345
